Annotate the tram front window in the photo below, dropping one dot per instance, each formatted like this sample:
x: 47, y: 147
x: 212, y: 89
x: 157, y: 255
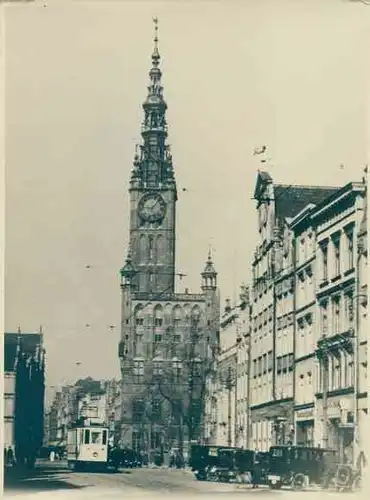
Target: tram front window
x: 87, y: 436
x: 104, y: 437
x: 96, y: 438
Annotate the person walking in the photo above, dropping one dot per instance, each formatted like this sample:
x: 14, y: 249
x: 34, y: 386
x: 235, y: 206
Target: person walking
x: 10, y: 457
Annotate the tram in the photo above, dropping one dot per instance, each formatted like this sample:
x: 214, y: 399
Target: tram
x: 87, y: 448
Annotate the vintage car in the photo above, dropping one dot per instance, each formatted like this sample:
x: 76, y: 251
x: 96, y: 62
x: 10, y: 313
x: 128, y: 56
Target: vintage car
x: 227, y: 464
x: 299, y: 466
x: 205, y: 461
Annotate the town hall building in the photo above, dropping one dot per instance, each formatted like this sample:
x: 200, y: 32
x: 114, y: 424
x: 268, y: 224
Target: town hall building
x: 168, y: 339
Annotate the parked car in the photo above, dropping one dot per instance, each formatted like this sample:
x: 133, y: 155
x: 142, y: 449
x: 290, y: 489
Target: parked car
x: 298, y: 466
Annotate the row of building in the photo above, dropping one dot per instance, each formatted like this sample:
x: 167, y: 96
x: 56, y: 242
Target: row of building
x: 86, y: 402
x: 292, y: 366
x: 24, y: 389
x: 286, y: 364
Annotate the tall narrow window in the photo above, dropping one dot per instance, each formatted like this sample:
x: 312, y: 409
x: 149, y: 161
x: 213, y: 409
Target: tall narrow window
x: 87, y: 436
x: 177, y: 368
x: 348, y: 309
x: 269, y: 361
x: 264, y: 363
x: 350, y: 372
x: 324, y: 317
x: 336, y: 314
x: 150, y: 247
x: 324, y: 253
x: 350, y: 249
x: 156, y: 410
x: 336, y: 245
x: 150, y: 282
x: 142, y: 248
x: 135, y: 440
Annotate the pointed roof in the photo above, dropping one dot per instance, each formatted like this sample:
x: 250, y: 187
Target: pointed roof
x: 263, y: 178
x: 209, y: 269
x: 155, y: 89
x: 128, y: 271
x: 15, y: 344
x: 152, y: 165
x: 290, y: 199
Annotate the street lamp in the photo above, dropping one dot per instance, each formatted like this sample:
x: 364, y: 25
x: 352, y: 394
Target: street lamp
x: 229, y: 382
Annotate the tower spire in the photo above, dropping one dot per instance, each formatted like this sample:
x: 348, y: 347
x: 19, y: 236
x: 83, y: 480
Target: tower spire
x: 155, y: 56
x: 153, y: 167
x: 155, y: 88
x: 209, y: 275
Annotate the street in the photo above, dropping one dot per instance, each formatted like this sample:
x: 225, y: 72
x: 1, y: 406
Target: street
x: 145, y: 482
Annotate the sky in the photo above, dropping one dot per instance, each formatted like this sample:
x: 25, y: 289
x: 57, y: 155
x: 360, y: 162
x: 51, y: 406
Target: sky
x: 236, y: 74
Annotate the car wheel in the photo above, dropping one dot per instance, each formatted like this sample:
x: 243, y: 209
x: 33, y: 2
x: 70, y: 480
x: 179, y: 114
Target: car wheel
x: 276, y: 486
x: 343, y: 476
x: 299, y: 481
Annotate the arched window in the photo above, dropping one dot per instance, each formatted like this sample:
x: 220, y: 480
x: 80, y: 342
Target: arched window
x: 168, y: 314
x: 177, y: 316
x: 150, y: 247
x: 195, y: 314
x: 158, y: 316
x: 139, y: 315
x: 142, y: 248
x: 160, y: 249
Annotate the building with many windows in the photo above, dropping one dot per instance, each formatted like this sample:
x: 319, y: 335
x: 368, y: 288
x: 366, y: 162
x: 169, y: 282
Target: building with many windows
x: 303, y: 250
x: 226, y: 377
x: 341, y: 398
x: 227, y: 408
x: 272, y: 310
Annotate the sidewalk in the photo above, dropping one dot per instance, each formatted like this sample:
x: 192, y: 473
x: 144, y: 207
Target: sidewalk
x: 14, y: 475
x: 44, y: 477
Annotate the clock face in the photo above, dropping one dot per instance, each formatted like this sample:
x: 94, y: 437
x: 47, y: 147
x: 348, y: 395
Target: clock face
x: 152, y: 207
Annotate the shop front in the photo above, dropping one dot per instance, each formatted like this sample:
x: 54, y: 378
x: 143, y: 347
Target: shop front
x: 272, y: 425
x: 304, y: 426
x: 339, y: 426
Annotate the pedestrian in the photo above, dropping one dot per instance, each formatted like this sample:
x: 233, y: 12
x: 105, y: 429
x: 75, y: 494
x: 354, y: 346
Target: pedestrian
x: 10, y: 456
x: 256, y: 472
x: 52, y: 456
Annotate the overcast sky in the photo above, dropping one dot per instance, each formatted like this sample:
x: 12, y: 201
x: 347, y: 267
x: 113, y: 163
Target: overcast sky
x: 237, y: 74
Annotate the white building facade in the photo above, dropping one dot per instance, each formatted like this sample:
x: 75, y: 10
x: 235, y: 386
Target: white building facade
x: 273, y: 311
x: 341, y: 392
x: 304, y: 262
x: 227, y: 408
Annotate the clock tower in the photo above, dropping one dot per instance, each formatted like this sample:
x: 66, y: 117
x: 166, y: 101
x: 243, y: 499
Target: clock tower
x: 153, y: 194
x: 158, y: 324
